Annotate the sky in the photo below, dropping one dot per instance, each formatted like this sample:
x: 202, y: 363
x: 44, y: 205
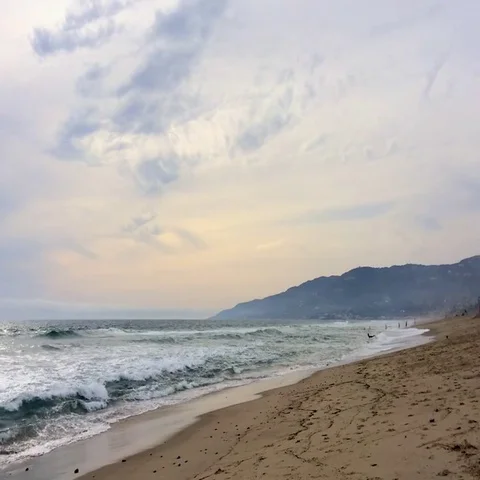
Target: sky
x: 184, y: 156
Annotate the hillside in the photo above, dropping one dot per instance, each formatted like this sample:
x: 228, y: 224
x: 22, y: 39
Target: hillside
x: 366, y: 292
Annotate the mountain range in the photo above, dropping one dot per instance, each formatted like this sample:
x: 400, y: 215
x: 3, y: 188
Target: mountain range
x: 368, y: 292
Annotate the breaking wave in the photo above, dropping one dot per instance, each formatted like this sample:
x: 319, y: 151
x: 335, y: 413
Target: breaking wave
x: 56, y: 333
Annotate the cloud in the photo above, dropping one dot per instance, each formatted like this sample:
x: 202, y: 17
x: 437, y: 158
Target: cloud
x: 190, y: 238
x: 164, y: 71
x: 76, y: 128
x: 428, y: 223
x: 153, y: 96
x: 140, y: 221
x: 315, y: 143
x: 255, y: 136
x: 154, y: 175
x: 131, y: 129
x: 81, y: 250
x: 90, y: 83
x: 409, y: 20
x: 270, y: 116
x: 432, y: 75
x: 192, y: 21
x: 89, y: 26
x: 46, y: 43
x: 138, y: 115
x: 347, y: 214
x: 167, y: 239
x: 177, y: 38
x: 144, y: 115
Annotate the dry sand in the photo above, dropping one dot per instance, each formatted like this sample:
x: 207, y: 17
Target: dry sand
x: 410, y: 415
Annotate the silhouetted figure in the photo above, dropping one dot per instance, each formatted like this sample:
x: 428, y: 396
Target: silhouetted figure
x: 370, y: 335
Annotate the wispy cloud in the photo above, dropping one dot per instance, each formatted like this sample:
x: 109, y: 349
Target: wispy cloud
x: 175, y: 43
x: 176, y: 40
x: 433, y: 74
x: 316, y: 143
x: 153, y: 175
x: 90, y: 83
x: 90, y: 24
x: 428, y: 223
x: 76, y: 128
x: 139, y: 221
x: 346, y: 214
x: 190, y: 238
x: 418, y: 14
x: 254, y: 136
x: 166, y: 239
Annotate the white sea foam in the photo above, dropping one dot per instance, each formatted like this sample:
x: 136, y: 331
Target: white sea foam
x: 390, y: 340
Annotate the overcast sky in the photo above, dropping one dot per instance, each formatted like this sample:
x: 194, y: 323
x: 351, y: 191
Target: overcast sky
x: 194, y: 154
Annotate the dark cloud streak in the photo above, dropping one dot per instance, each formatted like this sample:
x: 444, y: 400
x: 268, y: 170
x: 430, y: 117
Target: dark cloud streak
x: 177, y: 40
x: 345, y: 214
x: 407, y: 21
x: 45, y: 42
x: 90, y: 83
x: 190, y: 238
x: 77, y: 127
x: 153, y: 175
x: 90, y: 27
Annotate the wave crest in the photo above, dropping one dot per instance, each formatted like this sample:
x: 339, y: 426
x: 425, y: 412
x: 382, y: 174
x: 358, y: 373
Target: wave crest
x: 57, y: 333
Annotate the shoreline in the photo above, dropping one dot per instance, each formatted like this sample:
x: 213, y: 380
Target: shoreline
x: 412, y: 414
x: 96, y: 452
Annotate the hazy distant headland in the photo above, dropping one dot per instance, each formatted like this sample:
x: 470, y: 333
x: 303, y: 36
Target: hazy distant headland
x: 367, y: 292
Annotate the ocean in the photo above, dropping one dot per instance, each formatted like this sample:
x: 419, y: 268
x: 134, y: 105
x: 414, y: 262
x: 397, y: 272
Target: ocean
x: 61, y: 382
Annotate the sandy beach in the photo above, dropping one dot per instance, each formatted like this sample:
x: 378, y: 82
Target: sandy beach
x: 412, y: 414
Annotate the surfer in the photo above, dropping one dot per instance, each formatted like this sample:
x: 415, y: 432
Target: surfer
x: 370, y: 335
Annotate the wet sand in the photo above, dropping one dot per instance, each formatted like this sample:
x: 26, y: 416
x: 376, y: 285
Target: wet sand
x: 411, y: 415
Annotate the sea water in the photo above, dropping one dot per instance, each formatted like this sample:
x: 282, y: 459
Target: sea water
x: 65, y: 381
